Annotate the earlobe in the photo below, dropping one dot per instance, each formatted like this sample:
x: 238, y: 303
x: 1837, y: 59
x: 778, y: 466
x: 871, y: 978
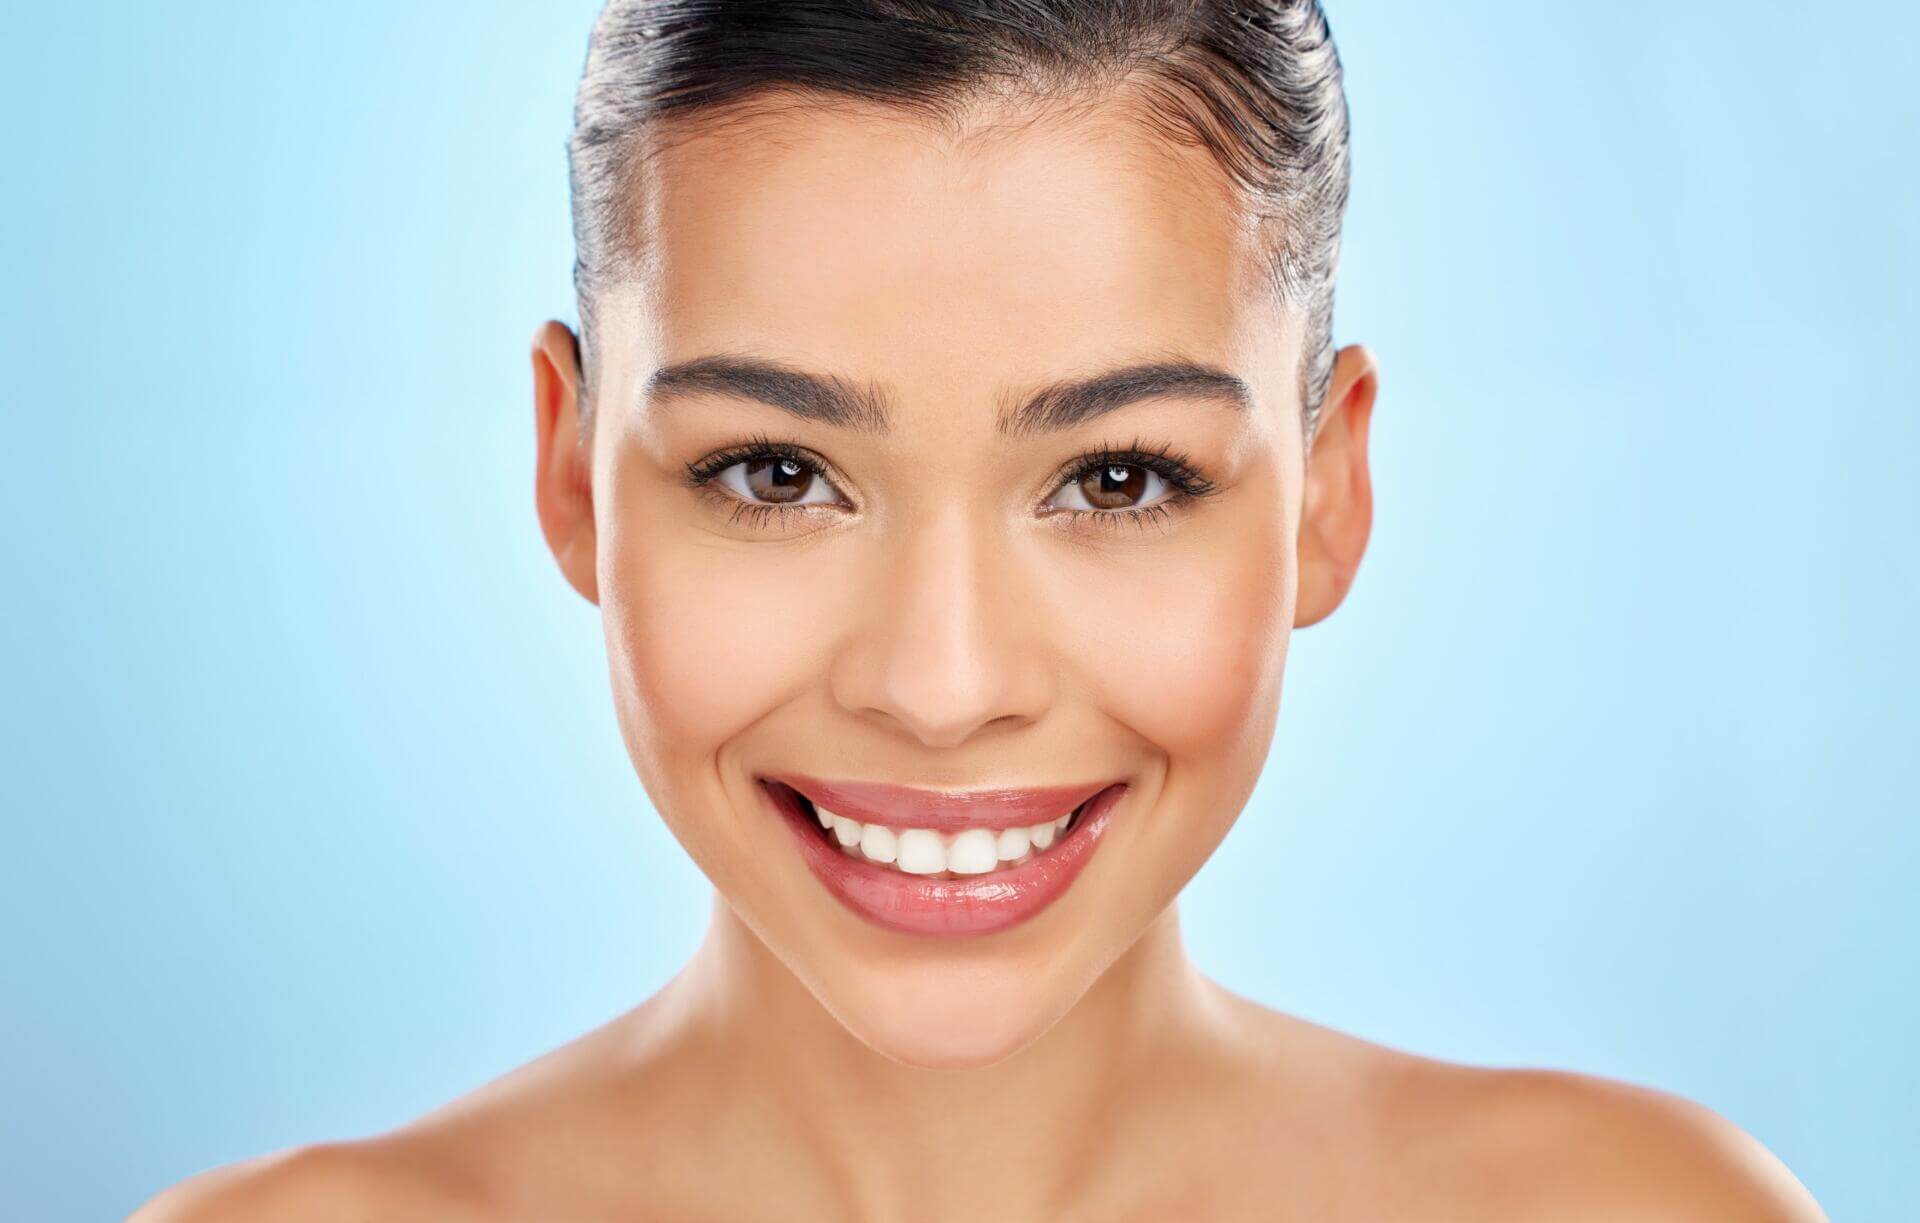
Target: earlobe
x: 563, y: 485
x: 1336, y: 515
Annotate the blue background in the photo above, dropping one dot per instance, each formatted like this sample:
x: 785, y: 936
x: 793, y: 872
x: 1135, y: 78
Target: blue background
x: 315, y: 810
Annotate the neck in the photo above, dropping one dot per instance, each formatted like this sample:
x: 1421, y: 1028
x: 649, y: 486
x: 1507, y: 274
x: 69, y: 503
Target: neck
x: 875, y: 1138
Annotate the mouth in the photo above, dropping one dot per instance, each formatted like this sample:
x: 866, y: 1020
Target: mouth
x: 930, y: 862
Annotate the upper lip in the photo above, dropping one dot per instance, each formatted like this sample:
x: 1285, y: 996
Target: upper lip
x: 879, y: 802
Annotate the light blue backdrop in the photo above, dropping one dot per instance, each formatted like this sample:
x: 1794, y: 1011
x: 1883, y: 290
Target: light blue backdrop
x: 315, y: 812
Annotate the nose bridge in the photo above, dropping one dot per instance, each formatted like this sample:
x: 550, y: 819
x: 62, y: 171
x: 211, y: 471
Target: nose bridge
x: 945, y: 650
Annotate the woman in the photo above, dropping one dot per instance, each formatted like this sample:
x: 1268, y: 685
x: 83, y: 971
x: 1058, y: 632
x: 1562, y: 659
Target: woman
x: 953, y: 439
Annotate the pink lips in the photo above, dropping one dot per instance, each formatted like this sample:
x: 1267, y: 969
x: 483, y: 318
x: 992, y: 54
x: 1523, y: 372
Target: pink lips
x: 918, y: 905
x: 874, y: 802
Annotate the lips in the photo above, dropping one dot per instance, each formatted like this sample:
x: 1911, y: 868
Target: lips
x: 956, y: 906
x: 873, y: 802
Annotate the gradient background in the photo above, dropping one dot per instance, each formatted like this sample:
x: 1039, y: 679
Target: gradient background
x: 315, y: 809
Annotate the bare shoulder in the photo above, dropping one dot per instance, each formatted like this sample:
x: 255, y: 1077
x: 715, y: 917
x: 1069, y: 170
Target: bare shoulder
x: 1480, y: 1143
x: 1553, y: 1144
x: 541, y: 1140
x: 339, y: 1182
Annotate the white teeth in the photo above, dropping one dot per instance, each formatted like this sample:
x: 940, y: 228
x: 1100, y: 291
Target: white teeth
x: 922, y: 851
x: 846, y: 831
x: 1012, y: 843
x: 974, y: 852
x: 878, y: 843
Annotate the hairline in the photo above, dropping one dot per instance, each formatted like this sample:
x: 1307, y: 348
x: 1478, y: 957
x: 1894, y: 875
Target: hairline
x: 991, y: 106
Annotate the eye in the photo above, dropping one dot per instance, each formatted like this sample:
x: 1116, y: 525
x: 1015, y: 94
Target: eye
x: 765, y: 479
x: 777, y: 479
x: 762, y: 482
x: 1132, y: 485
x: 1113, y: 486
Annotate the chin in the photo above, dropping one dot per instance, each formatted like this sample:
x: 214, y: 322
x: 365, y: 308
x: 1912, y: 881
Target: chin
x: 949, y: 1017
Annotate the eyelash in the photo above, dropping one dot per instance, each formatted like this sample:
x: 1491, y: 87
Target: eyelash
x: 1188, y: 485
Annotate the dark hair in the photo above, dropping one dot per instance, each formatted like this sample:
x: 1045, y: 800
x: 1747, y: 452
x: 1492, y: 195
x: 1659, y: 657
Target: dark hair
x: 1255, y: 82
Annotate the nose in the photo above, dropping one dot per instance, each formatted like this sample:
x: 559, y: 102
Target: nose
x: 947, y: 649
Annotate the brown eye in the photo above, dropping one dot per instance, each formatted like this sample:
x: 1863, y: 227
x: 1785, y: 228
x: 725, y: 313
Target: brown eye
x: 1113, y: 487
x: 778, y: 479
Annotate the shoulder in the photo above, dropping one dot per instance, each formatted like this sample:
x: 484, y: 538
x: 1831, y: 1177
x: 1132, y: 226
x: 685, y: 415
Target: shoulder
x: 1553, y: 1144
x: 1485, y: 1143
x: 488, y: 1155
x: 338, y: 1182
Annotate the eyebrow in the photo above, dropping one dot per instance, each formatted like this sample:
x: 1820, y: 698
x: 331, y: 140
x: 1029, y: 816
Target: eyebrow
x: 867, y: 407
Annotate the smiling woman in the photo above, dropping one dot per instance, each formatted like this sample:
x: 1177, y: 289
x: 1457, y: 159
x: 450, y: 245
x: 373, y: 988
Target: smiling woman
x: 952, y: 442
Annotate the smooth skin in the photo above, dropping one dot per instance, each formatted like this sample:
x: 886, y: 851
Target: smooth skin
x: 932, y: 617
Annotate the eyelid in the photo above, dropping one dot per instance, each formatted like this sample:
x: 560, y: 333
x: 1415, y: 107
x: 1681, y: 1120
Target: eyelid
x: 1170, y: 465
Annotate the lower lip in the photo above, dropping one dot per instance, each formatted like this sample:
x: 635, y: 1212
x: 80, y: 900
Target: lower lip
x: 914, y: 904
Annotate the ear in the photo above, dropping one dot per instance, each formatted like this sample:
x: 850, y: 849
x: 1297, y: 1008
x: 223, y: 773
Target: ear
x: 562, y: 479
x: 1338, y: 512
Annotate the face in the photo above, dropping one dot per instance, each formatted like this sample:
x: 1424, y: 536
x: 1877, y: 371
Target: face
x: 842, y: 543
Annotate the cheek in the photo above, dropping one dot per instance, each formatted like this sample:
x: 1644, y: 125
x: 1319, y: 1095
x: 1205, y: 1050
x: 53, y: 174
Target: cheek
x: 1189, y: 647
x: 704, y: 644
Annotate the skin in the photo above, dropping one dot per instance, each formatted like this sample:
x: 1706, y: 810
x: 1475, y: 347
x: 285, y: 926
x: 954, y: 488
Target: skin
x: 941, y: 628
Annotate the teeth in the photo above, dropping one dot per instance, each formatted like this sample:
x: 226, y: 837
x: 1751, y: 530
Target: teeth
x: 922, y: 851
x: 974, y: 852
x: 878, y: 843
x: 1013, y: 842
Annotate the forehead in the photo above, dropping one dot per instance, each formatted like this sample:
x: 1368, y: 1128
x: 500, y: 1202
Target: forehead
x: 858, y: 238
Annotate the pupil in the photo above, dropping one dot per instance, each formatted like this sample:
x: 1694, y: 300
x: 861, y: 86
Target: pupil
x: 778, y: 479
x: 1115, y: 487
